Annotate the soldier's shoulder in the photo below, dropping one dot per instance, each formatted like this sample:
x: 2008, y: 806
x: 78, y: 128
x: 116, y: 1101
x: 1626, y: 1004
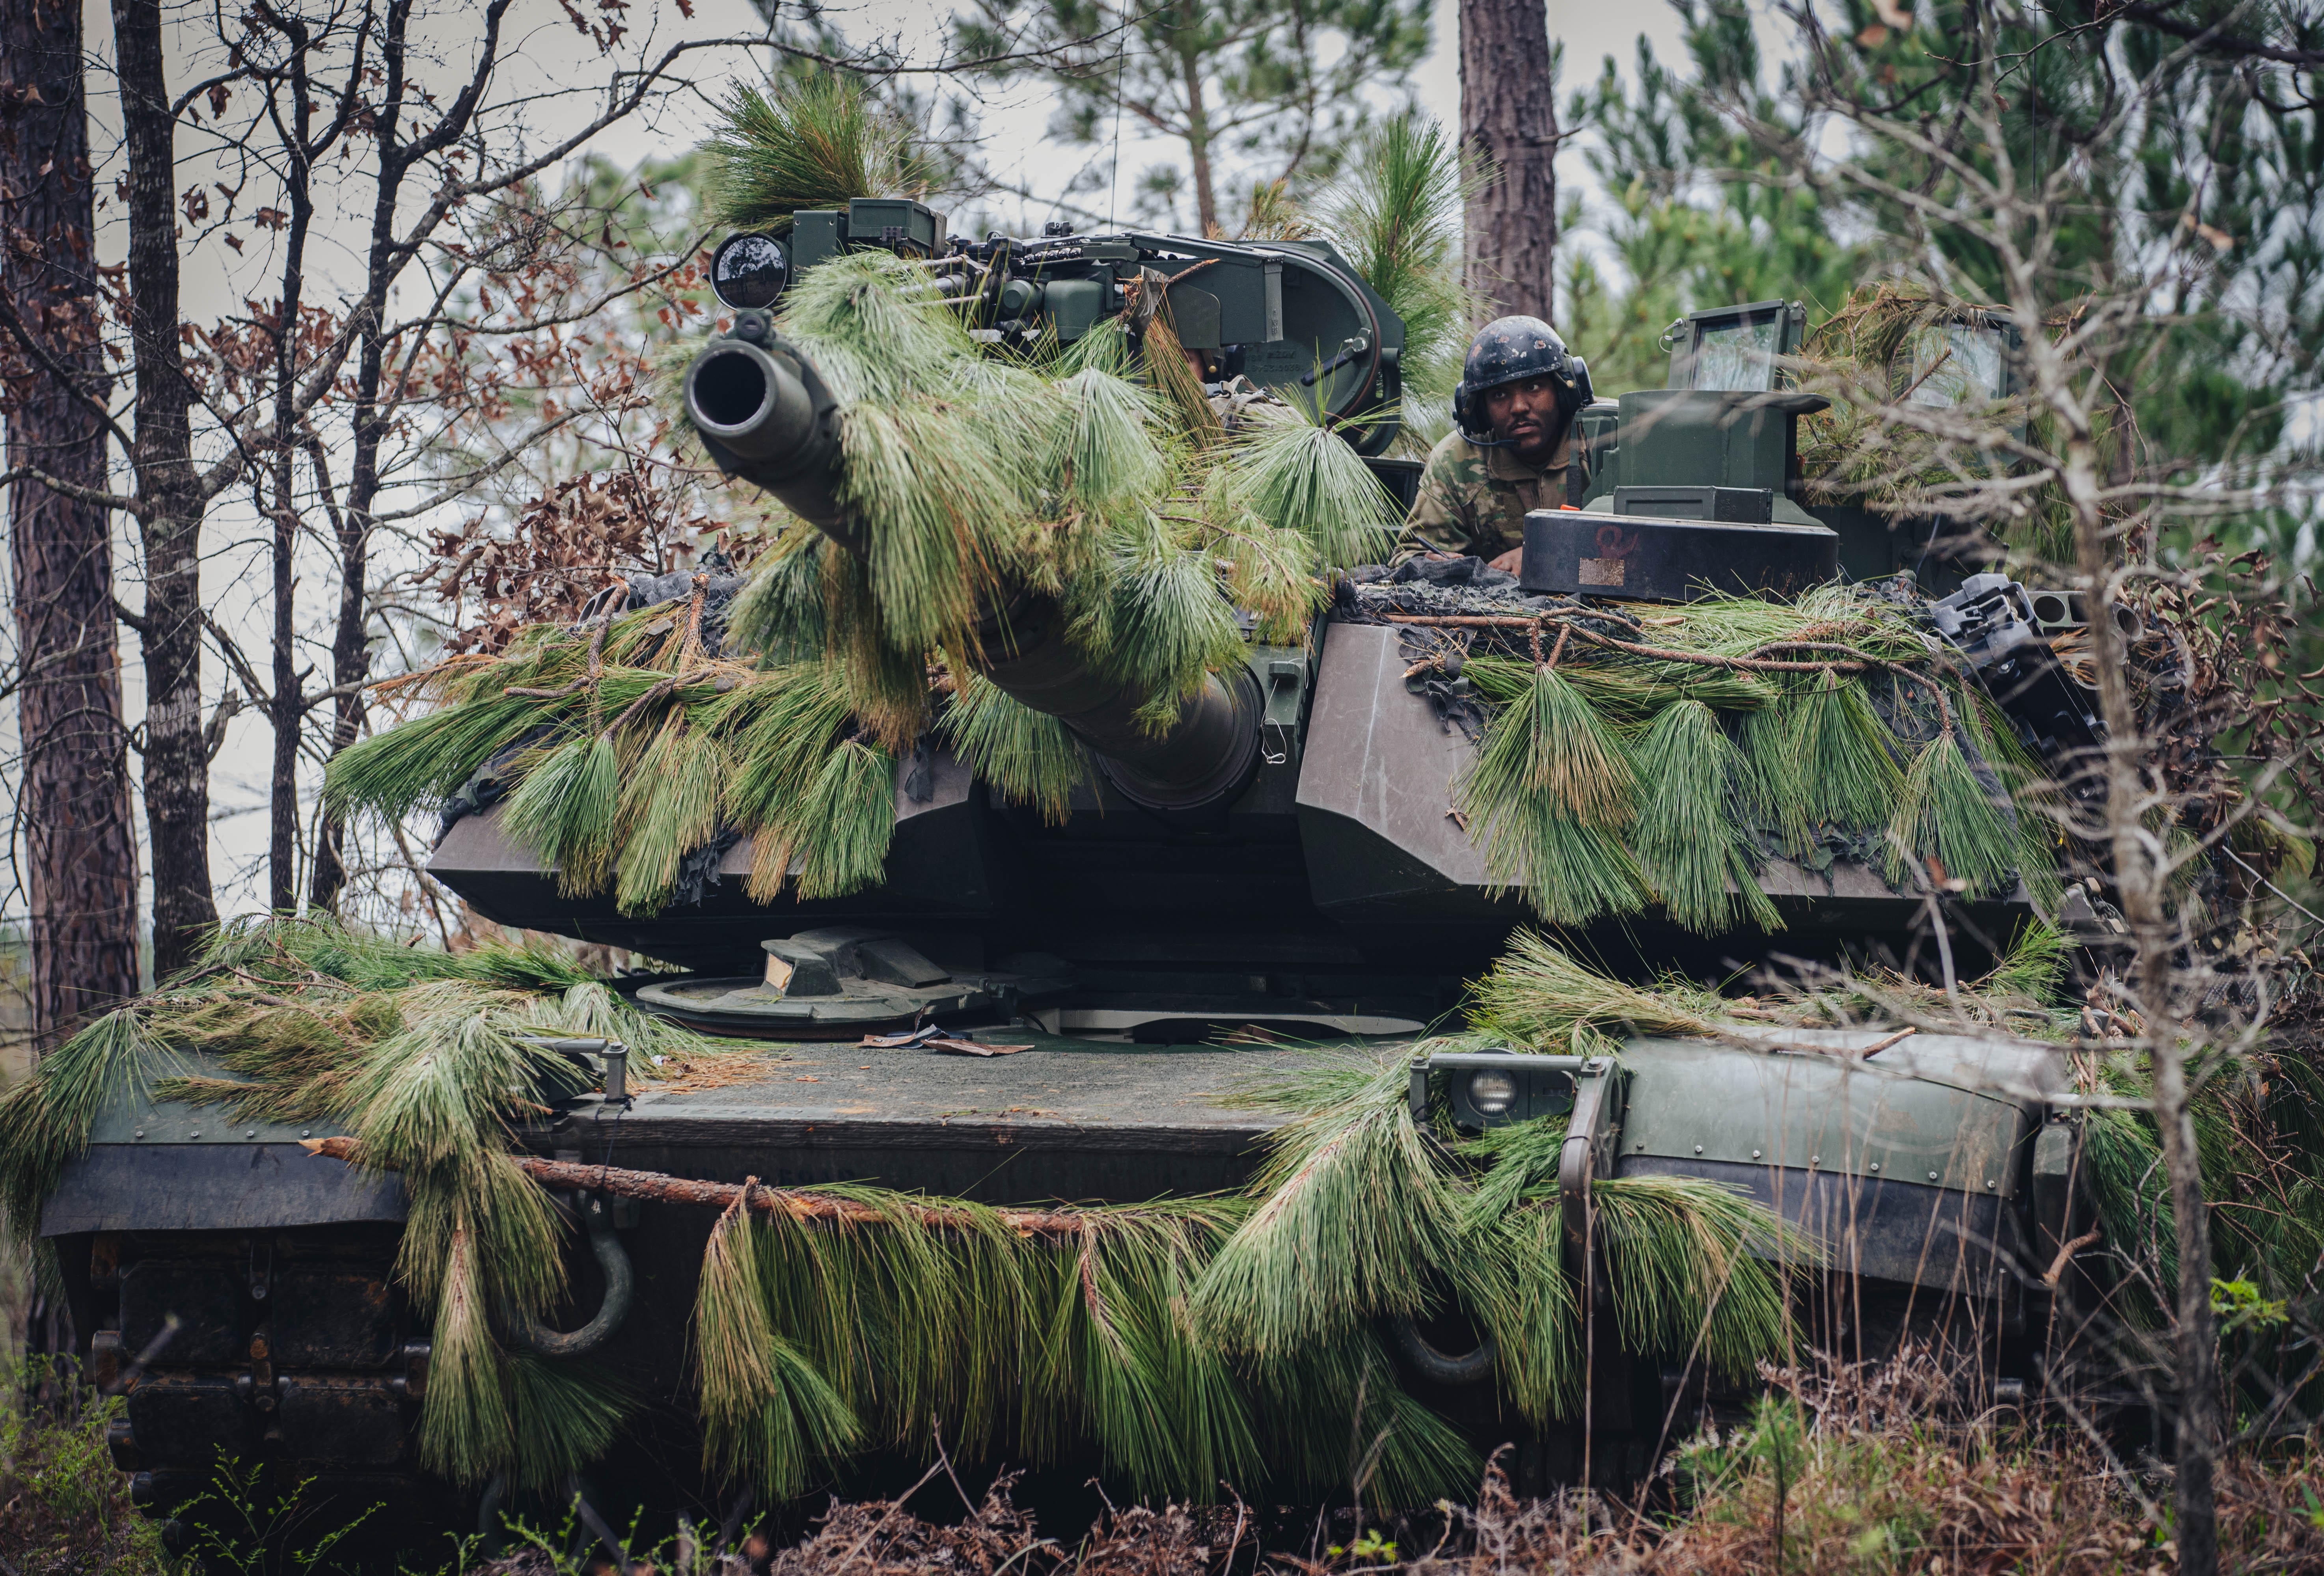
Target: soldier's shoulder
x: 1453, y: 449
x: 1455, y: 459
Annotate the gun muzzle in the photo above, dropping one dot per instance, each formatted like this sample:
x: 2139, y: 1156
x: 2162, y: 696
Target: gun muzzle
x: 765, y: 415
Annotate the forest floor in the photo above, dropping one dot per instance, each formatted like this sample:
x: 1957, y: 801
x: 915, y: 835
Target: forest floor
x: 1858, y: 1476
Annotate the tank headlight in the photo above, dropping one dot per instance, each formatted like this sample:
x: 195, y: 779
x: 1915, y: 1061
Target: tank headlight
x: 1492, y: 1093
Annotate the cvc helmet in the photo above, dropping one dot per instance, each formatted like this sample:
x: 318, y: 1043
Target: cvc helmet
x: 1510, y: 350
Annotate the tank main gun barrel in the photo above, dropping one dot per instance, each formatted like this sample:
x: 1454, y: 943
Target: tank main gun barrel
x: 764, y: 413
x: 766, y: 416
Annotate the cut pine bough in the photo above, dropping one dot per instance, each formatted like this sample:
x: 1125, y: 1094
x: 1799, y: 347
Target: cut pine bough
x: 830, y: 1318
x: 1612, y: 772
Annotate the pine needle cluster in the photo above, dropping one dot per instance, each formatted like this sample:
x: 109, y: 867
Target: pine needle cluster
x: 1609, y: 778
x: 1397, y: 214
x: 428, y: 1058
x: 814, y: 141
x: 1540, y: 996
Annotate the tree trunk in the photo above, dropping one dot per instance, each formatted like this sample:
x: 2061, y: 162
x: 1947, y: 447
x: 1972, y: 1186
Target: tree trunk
x: 80, y: 848
x: 350, y: 667
x: 177, y: 761
x: 2141, y: 882
x: 285, y: 711
x: 1198, y: 136
x: 1509, y: 126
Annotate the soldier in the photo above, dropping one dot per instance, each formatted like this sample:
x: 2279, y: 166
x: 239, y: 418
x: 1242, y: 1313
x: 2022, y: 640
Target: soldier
x: 1512, y: 417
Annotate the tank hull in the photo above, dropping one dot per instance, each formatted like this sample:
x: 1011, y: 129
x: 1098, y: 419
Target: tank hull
x: 1934, y: 1185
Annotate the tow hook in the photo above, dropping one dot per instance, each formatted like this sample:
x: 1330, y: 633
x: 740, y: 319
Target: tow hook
x: 596, y: 1214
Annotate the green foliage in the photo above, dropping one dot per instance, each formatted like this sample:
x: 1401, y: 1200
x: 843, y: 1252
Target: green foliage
x: 1548, y: 795
x: 1352, y: 1171
x: 1844, y: 764
x: 1111, y: 457
x: 1026, y: 755
x: 1154, y: 617
x: 47, y: 1116
x: 235, y: 1524
x: 1284, y: 88
x: 1691, y: 845
x: 564, y: 810
x: 1694, y: 1267
x: 425, y: 1058
x: 1951, y: 824
x: 2035, y: 965
x: 1397, y: 212
x: 1302, y: 476
x: 671, y: 805
x: 1542, y: 998
x: 1680, y: 1257
x: 63, y: 1506
x: 2036, y: 808
x: 419, y: 762
x: 1605, y: 773
x: 768, y: 1413
x: 1696, y: 216
x: 814, y: 142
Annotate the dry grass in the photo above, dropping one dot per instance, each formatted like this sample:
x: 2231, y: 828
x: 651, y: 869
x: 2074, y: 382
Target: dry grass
x: 1878, y: 1469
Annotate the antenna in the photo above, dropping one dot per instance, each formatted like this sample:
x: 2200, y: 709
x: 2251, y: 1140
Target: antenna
x: 1113, y: 177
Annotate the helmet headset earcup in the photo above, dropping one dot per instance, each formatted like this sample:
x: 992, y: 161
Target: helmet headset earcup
x: 1466, y: 417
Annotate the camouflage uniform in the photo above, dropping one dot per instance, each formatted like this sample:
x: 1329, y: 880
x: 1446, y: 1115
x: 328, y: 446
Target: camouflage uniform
x: 1473, y: 500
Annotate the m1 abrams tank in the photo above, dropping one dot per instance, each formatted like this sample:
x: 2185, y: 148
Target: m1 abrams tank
x: 1283, y: 868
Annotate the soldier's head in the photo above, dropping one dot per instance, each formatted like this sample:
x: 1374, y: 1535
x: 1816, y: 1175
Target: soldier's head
x: 1519, y: 388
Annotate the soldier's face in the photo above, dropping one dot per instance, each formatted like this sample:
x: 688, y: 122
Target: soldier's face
x: 1524, y: 416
